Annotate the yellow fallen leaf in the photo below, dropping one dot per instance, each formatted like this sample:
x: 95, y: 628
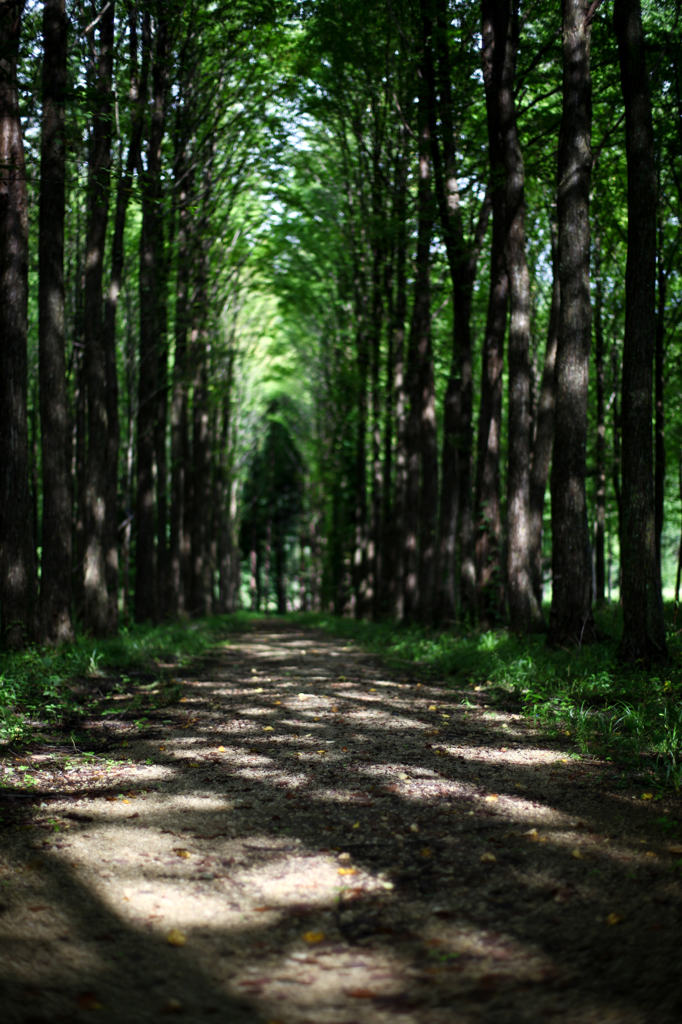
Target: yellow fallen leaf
x: 182, y: 853
x: 414, y: 827
x: 492, y: 797
x: 647, y: 796
x: 650, y: 853
x: 221, y: 749
x: 425, y: 852
x: 432, y: 707
x: 532, y: 834
x: 322, y: 751
x: 372, y: 689
x: 183, y: 699
x: 268, y: 728
x: 162, y: 748
x: 675, y: 849
x: 576, y: 854
x: 176, y: 938
x: 403, y: 776
x: 488, y: 858
x: 356, y: 825
x: 196, y: 764
x: 313, y: 937
x: 278, y: 702
x: 125, y: 801
x: 335, y: 710
x: 348, y: 871
x: 614, y: 919
x: 303, y: 696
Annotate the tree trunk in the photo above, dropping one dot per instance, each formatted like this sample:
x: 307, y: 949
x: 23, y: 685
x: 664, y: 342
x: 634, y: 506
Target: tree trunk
x: 643, y: 623
x: 525, y: 615
x: 137, y: 95
x: 375, y: 526
x: 96, y: 608
x: 544, y: 429
x: 145, y: 572
x: 659, y: 386
x: 489, y: 572
x: 600, y: 374
x: 571, y: 619
x: 17, y: 561
x: 55, y: 575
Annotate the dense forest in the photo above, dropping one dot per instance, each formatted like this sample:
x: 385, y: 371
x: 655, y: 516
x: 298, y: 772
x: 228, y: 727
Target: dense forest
x: 370, y: 307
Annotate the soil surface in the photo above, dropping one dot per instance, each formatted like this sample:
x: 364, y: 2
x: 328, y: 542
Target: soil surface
x: 308, y: 836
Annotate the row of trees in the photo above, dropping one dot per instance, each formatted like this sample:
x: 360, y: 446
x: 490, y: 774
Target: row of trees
x: 437, y: 503
x: 441, y: 212
x: 129, y: 135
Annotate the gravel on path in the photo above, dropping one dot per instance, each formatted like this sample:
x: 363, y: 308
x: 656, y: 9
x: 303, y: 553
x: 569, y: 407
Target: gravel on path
x: 309, y: 837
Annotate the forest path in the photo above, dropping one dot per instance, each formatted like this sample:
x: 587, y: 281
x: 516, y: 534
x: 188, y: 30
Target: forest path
x: 310, y: 837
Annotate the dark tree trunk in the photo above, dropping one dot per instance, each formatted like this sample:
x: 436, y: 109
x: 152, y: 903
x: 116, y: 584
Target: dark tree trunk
x: 177, y: 574
x: 138, y: 93
x: 96, y: 608
x: 659, y: 386
x: 643, y: 623
x: 600, y: 374
x: 17, y: 562
x: 55, y: 575
x: 544, y: 430
x: 422, y: 479
x: 161, y: 425
x: 375, y: 525
x: 571, y: 620
x: 490, y: 585
x: 146, y: 606
x: 525, y: 615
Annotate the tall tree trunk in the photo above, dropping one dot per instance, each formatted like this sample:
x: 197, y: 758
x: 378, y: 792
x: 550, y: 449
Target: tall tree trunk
x: 544, y: 429
x: 525, y: 615
x: 145, y: 572
x: 177, y: 574
x: 360, y: 566
x: 600, y: 374
x: 96, y: 608
x: 420, y: 519
x: 489, y: 572
x: 55, y: 575
x: 643, y: 623
x: 17, y: 562
x: 137, y: 95
x: 659, y: 387
x: 375, y: 525
x: 571, y: 619
x: 161, y: 423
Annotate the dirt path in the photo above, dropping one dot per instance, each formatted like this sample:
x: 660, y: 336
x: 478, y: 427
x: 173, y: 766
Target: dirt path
x: 308, y: 837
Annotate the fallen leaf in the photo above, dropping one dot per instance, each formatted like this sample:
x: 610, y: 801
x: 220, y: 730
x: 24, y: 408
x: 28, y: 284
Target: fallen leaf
x: 532, y: 834
x: 403, y: 776
x: 313, y: 937
x: 278, y: 702
x: 372, y: 689
x: 576, y: 854
x: 414, y: 827
x: 647, y: 796
x: 221, y: 749
x: 650, y: 853
x: 492, y: 797
x: 88, y: 1001
x: 181, y: 853
x: 323, y: 752
x: 504, y: 750
x: 348, y: 871
x: 261, y: 910
x: 432, y: 707
x: 268, y: 728
x: 614, y: 919
x: 675, y: 849
x: 176, y: 938
x: 488, y: 858
x: 356, y: 825
x: 162, y: 748
x: 425, y: 852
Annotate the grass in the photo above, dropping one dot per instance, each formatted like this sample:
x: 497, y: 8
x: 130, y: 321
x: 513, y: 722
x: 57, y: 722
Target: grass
x: 38, y: 686
x: 585, y: 696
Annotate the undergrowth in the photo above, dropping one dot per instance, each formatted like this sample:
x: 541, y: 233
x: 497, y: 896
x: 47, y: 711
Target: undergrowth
x: 584, y: 695
x: 37, y: 684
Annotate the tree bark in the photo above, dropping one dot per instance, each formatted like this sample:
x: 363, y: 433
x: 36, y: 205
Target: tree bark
x: 146, y: 606
x: 659, y: 395
x: 96, y: 608
x: 17, y: 561
x: 525, y: 615
x: 643, y: 623
x: 600, y: 374
x: 55, y: 576
x: 489, y: 571
x: 571, y: 620
x: 137, y: 96
x: 544, y: 429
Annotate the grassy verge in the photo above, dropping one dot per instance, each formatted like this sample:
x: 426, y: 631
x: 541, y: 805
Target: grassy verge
x: 42, y: 687
x: 627, y: 715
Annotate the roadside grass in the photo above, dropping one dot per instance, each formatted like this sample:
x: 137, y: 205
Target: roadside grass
x: 585, y: 697
x: 43, y: 687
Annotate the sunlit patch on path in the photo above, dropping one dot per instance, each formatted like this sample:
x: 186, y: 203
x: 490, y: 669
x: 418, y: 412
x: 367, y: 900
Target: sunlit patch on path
x: 309, y: 837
